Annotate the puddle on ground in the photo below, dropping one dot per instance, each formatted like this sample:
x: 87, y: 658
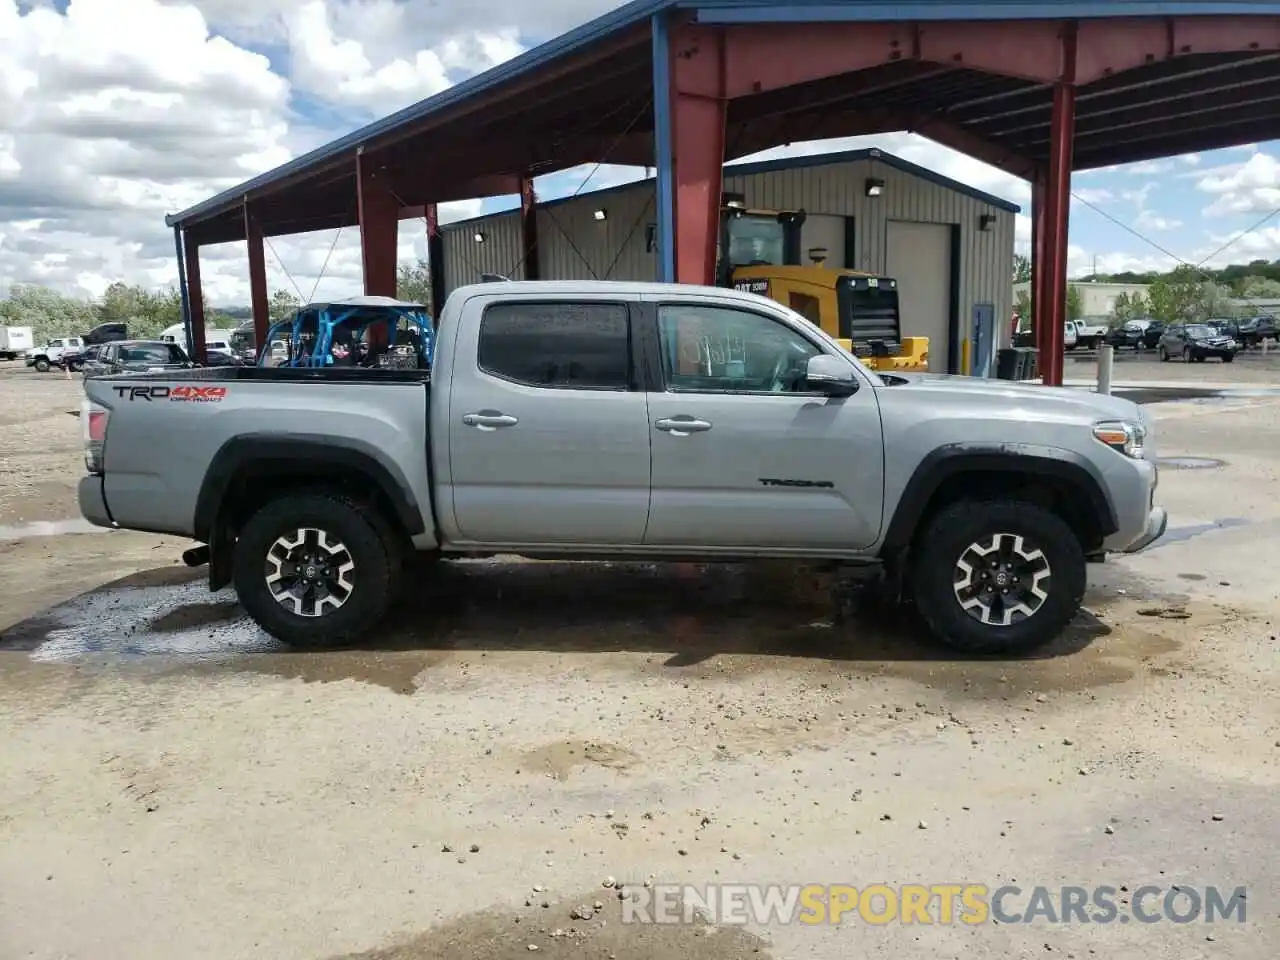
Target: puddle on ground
x: 714, y: 621
x: 1189, y: 463
x: 561, y: 759
x: 1182, y: 534
x: 554, y: 927
x: 47, y: 528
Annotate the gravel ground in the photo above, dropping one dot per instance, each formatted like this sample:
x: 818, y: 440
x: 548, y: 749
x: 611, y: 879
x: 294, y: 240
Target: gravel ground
x: 523, y: 738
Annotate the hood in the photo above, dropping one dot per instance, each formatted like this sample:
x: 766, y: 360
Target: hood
x: 1009, y: 393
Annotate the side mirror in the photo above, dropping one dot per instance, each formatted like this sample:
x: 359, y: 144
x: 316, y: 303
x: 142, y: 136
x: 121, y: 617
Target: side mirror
x: 830, y: 376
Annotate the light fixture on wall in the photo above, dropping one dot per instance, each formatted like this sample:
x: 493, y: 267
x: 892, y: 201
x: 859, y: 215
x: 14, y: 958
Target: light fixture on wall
x: 875, y: 186
x: 601, y: 214
x: 986, y: 221
x: 478, y: 237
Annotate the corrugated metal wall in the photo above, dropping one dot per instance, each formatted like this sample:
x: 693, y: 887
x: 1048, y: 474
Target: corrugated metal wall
x: 465, y: 259
x: 574, y: 245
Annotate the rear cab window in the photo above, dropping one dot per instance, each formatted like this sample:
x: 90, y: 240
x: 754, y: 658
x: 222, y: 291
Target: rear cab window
x: 562, y: 344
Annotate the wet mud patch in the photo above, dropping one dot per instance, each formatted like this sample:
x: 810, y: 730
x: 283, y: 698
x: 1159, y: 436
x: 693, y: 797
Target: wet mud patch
x: 397, y: 671
x: 192, y: 615
x: 560, y: 760
x: 556, y: 928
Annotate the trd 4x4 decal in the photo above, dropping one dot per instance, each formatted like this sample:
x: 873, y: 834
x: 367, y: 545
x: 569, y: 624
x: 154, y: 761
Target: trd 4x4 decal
x: 172, y: 394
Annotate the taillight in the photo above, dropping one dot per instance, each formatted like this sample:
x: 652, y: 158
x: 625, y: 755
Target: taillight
x: 94, y: 420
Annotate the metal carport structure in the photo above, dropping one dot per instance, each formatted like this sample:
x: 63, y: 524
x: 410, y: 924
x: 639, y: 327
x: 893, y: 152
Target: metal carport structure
x: 1036, y: 89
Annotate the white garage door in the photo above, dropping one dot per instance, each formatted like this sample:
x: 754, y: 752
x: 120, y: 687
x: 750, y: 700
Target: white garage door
x: 822, y: 230
x: 919, y: 258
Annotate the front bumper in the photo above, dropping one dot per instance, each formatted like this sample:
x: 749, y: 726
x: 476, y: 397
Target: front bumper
x: 93, y: 502
x: 1157, y: 522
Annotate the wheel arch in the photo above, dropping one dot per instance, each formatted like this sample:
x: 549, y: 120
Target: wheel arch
x: 1062, y: 479
x: 247, y: 471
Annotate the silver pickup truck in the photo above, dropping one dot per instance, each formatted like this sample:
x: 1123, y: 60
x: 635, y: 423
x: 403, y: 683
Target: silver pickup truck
x: 582, y: 420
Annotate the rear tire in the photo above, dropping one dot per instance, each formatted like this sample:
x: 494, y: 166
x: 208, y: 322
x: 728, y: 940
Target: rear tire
x: 1228, y: 357
x: 964, y: 609
x: 42, y: 365
x: 355, y: 558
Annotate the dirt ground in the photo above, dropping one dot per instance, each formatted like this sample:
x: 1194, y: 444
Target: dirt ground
x: 173, y: 784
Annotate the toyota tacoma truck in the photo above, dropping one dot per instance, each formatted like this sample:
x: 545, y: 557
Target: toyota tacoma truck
x: 604, y: 420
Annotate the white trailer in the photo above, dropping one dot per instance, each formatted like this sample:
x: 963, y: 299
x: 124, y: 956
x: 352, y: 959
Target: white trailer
x: 214, y: 339
x: 15, y: 341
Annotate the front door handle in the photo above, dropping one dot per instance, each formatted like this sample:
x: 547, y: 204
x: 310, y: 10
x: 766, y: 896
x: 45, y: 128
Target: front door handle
x: 489, y: 421
x: 682, y: 426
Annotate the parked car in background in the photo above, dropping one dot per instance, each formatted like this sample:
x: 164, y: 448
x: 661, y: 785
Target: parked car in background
x: 15, y: 342
x: 1152, y: 334
x: 1226, y: 327
x: 1256, y: 329
x: 136, y: 356
x: 1126, y: 337
x: 1194, y: 342
x: 54, y: 352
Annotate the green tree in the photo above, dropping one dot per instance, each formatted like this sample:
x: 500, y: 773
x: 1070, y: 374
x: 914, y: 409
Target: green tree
x: 1075, y: 303
x: 1130, y: 307
x: 413, y: 282
x: 47, y: 312
x: 1260, y: 287
x: 283, y: 304
x: 1021, y: 268
x: 1178, y: 296
x: 1022, y: 307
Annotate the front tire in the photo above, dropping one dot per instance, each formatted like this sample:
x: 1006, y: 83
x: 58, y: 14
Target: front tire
x: 1162, y: 353
x: 316, y: 570
x: 42, y: 365
x: 998, y: 576
x: 1228, y: 357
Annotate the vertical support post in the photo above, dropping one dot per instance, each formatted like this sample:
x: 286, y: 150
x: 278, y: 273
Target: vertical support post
x: 529, y: 229
x: 699, y: 108
x: 662, y: 139
x: 1106, y: 354
x: 379, y: 213
x: 195, y: 299
x: 1062, y: 132
x: 435, y: 260
x: 1039, y: 270
x: 182, y: 286
x: 257, y: 278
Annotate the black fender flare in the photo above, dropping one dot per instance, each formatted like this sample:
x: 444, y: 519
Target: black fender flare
x: 301, y: 450
x: 1014, y: 458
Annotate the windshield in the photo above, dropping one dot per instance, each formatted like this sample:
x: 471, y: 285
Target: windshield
x: 1201, y: 331
x: 755, y: 240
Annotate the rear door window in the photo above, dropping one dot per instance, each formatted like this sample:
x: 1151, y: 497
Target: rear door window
x: 558, y: 345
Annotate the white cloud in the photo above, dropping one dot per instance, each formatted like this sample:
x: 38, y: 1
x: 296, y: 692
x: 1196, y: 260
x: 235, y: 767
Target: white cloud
x: 1153, y: 221
x: 1252, y: 187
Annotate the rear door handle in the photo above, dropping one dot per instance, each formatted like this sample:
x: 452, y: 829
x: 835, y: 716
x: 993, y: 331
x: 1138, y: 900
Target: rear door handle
x: 682, y: 426
x: 489, y: 421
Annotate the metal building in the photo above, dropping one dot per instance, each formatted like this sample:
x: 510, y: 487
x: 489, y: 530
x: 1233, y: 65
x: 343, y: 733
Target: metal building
x: 949, y: 246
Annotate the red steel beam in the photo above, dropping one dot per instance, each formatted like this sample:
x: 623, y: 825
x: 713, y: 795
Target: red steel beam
x: 699, y: 110
x: 195, y: 297
x: 379, y: 212
x: 257, y: 276
x: 761, y: 58
x: 1059, y: 207
x: 529, y: 229
x: 1039, y: 269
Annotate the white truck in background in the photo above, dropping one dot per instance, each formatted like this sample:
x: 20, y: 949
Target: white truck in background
x: 214, y: 339
x: 1090, y: 332
x: 15, y: 341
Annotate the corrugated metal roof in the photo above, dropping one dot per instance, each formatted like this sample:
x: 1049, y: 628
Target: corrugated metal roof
x: 636, y: 12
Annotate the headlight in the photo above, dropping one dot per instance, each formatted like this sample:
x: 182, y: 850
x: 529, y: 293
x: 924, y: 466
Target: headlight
x: 1124, y: 436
